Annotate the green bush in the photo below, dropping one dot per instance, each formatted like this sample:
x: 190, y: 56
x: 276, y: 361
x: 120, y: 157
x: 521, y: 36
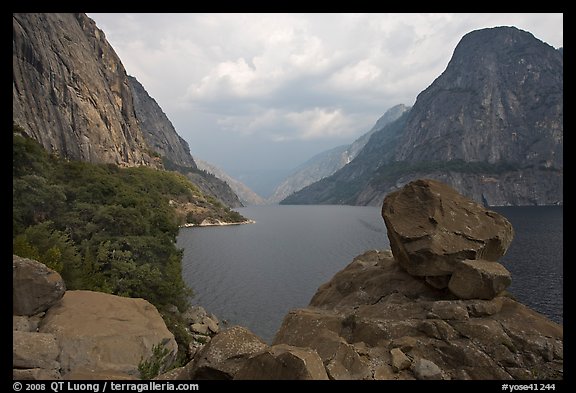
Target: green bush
x: 156, y: 364
x: 104, y: 228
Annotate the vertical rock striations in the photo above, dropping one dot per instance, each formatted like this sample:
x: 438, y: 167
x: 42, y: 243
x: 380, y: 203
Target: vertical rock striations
x: 71, y: 92
x: 158, y: 129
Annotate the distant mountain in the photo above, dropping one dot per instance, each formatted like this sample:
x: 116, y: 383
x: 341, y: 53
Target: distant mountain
x: 328, y: 162
x: 71, y: 93
x: 245, y: 194
x: 491, y: 125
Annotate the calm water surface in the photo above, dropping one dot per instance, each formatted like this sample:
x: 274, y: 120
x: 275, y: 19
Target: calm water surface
x: 252, y: 275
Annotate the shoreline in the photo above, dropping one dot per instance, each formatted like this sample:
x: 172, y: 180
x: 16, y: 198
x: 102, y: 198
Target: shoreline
x: 209, y: 223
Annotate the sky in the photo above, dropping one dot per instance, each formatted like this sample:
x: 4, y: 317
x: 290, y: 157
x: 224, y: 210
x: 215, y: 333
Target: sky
x: 259, y: 94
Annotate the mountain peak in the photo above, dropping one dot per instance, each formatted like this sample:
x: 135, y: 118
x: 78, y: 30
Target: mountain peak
x: 491, y: 126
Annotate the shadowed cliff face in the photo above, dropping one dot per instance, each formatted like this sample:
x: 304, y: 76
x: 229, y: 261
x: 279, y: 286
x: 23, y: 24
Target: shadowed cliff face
x: 491, y: 125
x: 499, y: 99
x: 158, y: 129
x: 71, y: 91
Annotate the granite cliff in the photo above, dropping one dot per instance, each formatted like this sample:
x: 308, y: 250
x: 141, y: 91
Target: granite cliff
x: 491, y: 125
x: 71, y: 91
x: 157, y: 128
x: 72, y: 94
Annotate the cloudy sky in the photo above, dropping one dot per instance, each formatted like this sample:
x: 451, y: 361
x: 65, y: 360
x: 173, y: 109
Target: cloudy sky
x: 259, y: 94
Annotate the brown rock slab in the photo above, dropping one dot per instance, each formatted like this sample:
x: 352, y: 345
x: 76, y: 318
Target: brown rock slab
x: 283, y: 362
x: 226, y: 354
x: 35, y: 287
x: 99, y: 331
x: 399, y: 360
x: 194, y: 314
x: 211, y: 324
x: 35, y: 374
x: 340, y: 358
x: 479, y: 279
x: 35, y: 350
x: 450, y: 310
x: 431, y: 228
x: 21, y: 323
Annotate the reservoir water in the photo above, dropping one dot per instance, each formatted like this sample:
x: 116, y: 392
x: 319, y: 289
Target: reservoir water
x: 252, y: 275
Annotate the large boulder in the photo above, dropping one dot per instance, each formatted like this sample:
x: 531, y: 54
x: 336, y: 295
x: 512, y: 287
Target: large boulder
x: 35, y: 287
x: 283, y: 362
x: 224, y: 355
x: 98, y: 331
x: 432, y: 228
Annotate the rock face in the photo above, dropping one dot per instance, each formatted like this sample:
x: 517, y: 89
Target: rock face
x: 157, y: 128
x: 98, y: 331
x: 432, y: 229
x: 71, y: 92
x: 373, y: 309
x: 491, y: 126
x: 478, y: 279
x: 35, y: 287
x: 163, y: 139
x: 35, y: 351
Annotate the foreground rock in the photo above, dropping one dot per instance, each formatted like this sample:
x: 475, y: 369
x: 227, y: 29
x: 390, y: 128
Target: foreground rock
x: 224, y: 355
x: 283, y: 362
x: 432, y: 228
x: 432, y: 308
x: 450, y: 240
x: 479, y: 279
x: 396, y: 326
x: 78, y: 334
x: 237, y: 353
x: 102, y: 332
x: 35, y: 286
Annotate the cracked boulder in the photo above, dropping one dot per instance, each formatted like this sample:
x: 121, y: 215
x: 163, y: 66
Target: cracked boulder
x: 432, y: 229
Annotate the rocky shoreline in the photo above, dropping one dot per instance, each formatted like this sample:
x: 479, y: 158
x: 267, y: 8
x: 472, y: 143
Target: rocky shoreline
x: 435, y: 306
x: 211, y: 222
